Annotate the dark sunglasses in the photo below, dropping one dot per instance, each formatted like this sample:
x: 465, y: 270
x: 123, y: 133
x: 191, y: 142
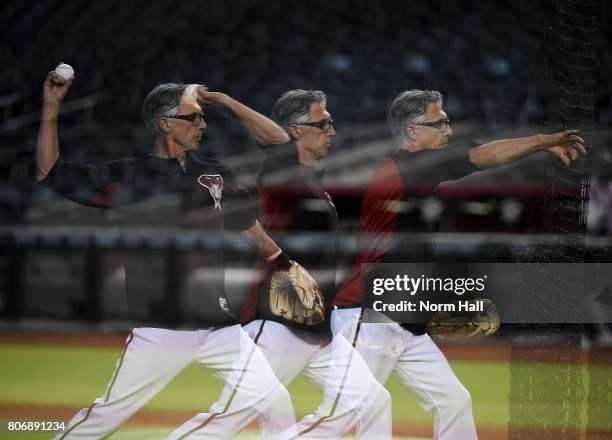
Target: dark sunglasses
x: 442, y: 123
x: 194, y: 118
x: 325, y: 125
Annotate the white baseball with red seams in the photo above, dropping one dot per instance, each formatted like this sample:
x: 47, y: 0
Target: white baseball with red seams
x: 64, y: 72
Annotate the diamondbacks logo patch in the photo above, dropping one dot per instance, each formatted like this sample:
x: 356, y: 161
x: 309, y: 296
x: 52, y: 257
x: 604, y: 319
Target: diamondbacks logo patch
x: 214, y: 183
x: 223, y: 304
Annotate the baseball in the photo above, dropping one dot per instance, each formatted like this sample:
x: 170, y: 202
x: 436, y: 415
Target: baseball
x: 64, y: 72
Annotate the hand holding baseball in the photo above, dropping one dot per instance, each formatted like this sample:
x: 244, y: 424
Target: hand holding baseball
x: 566, y: 145
x: 56, y: 85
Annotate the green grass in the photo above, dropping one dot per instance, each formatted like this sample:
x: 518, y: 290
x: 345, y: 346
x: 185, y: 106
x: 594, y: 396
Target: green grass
x: 72, y: 376
x: 75, y: 376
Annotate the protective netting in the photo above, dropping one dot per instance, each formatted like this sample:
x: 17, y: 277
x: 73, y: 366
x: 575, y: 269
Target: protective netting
x: 547, y: 374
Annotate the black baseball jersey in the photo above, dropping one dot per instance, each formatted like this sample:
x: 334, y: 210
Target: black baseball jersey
x: 293, y: 200
x: 171, y: 203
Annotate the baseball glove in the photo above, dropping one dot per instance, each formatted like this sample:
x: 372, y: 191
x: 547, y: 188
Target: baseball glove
x: 465, y: 325
x: 295, y: 295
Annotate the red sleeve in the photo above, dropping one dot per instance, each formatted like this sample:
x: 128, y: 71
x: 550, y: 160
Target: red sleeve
x: 376, y: 225
x: 272, y: 210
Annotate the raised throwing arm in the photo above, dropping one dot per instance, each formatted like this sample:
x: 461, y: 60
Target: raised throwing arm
x: 260, y: 127
x: 47, y: 146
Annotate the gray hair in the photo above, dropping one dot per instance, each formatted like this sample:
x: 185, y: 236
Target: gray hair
x: 293, y: 106
x: 163, y: 100
x: 410, y: 107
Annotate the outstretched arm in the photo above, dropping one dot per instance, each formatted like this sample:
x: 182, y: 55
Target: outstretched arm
x: 565, y: 145
x: 47, y: 147
x: 261, y: 128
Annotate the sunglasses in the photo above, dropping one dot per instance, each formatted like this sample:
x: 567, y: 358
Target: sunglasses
x: 325, y: 125
x: 194, y: 118
x: 441, y: 124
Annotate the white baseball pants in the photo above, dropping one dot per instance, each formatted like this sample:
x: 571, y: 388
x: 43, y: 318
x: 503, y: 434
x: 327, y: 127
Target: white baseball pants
x: 351, y: 395
x: 153, y: 357
x: 418, y: 364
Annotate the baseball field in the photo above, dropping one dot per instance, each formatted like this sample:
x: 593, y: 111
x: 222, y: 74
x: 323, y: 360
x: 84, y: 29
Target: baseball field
x: 49, y: 377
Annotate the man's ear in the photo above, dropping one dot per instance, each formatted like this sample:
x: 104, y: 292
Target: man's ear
x: 294, y: 131
x: 164, y: 124
x: 410, y: 131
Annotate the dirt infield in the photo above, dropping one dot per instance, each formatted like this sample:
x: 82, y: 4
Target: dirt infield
x: 75, y: 339
x: 174, y: 419
x: 168, y: 419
